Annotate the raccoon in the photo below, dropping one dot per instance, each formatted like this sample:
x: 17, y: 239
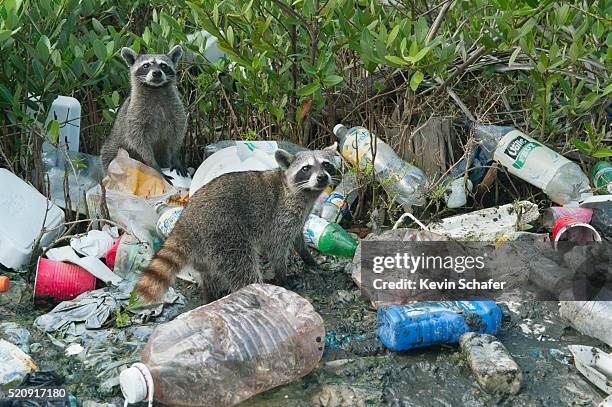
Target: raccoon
x: 235, y: 218
x: 151, y: 123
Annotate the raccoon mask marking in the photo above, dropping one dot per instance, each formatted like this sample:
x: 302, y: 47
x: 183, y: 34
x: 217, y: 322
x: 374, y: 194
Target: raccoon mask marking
x: 155, y: 70
x: 308, y: 170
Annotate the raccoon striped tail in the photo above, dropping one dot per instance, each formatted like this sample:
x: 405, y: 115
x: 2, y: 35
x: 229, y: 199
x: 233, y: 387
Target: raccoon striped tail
x: 161, y: 272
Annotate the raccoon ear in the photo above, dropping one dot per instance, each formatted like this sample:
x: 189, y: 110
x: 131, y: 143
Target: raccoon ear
x: 129, y: 55
x: 283, y: 158
x: 175, y: 54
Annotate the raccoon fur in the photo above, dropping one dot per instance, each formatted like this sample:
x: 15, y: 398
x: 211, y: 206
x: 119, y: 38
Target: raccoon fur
x: 151, y: 123
x: 235, y: 218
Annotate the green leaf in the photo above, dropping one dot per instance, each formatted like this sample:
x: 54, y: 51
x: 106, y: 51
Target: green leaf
x: 53, y: 128
x: 583, y: 147
x: 5, y: 93
x: 526, y: 29
x: 602, y: 152
x: 392, y: 35
x: 98, y: 26
x: 562, y: 13
x: 513, y: 56
x: 43, y: 48
x: 418, y: 56
x: 115, y: 98
x: 5, y: 34
x: 308, y: 89
x: 415, y: 80
x: 396, y: 60
x: 230, y: 35
x: 332, y: 80
x: 99, y: 49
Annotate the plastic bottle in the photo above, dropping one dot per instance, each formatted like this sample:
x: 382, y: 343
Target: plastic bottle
x: 428, y: 323
x: 337, y: 204
x: 328, y: 238
x: 316, y: 209
x: 601, y: 175
x: 168, y: 215
x: 402, y: 181
x: 222, y: 353
x: 561, y: 179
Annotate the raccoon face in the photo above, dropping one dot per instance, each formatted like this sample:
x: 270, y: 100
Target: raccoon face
x: 154, y: 70
x: 309, y: 170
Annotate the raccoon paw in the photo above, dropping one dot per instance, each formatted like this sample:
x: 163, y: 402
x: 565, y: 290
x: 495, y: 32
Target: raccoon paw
x: 180, y: 170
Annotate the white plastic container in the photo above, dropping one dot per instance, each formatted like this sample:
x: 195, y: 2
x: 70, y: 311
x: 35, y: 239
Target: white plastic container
x: 21, y: 219
x: 67, y: 111
x: 232, y: 159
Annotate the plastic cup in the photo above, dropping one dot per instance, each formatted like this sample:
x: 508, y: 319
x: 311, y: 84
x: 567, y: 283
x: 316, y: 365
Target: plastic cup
x: 61, y: 281
x: 111, y: 254
x: 574, y: 230
x: 554, y: 213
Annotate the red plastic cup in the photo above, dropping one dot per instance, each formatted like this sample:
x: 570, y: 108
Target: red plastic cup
x: 111, y: 254
x: 61, y: 281
x: 554, y: 213
x: 574, y: 230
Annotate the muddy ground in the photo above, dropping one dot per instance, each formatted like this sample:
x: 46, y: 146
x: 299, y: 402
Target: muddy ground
x: 356, y: 370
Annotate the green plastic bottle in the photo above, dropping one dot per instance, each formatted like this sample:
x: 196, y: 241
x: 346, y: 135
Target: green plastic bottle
x: 328, y: 238
x: 601, y: 176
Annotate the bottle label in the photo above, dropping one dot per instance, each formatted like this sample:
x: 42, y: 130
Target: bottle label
x: 313, y: 229
x: 245, y: 148
x: 528, y: 159
x: 339, y: 201
x: 357, y: 145
x: 603, y: 179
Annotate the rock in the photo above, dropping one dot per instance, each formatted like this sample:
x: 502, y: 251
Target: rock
x: 16, y: 334
x: 14, y: 294
x: 492, y: 364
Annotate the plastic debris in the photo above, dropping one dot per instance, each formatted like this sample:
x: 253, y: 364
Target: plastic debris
x: 16, y: 335
x: 59, y: 281
x: 74, y: 349
x: 592, y: 318
x: 595, y: 365
x: 24, y: 210
x: 14, y: 363
x: 328, y: 238
x: 494, y: 368
x: 338, y: 202
x: 92, y: 264
x: 260, y: 328
x: 263, y: 145
x: 43, y: 380
x: 95, y: 243
x: 168, y: 215
x: 402, y: 181
x: 424, y: 324
x: 601, y: 176
x: 5, y: 284
x: 488, y: 224
x: 571, y: 229
x: 131, y: 257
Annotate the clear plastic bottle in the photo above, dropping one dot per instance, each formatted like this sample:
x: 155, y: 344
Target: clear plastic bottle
x: 225, y: 352
x: 328, y: 238
x: 402, y: 181
x: 337, y: 204
x: 316, y: 209
x: 561, y: 179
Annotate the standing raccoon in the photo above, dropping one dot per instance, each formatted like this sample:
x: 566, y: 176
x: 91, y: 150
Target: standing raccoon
x: 234, y: 218
x: 151, y: 123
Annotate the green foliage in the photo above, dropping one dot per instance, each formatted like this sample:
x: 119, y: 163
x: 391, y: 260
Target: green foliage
x: 122, y: 316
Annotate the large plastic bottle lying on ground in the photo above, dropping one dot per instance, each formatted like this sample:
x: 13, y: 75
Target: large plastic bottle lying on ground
x: 403, y: 182
x: 328, y: 238
x: 220, y: 354
x: 428, y: 323
x: 561, y: 179
x: 337, y: 204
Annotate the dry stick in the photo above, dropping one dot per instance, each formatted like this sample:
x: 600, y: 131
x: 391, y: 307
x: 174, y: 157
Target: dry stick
x: 438, y: 21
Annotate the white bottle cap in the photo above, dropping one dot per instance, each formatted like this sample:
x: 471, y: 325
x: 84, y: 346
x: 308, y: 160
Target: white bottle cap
x: 337, y: 127
x: 136, y: 383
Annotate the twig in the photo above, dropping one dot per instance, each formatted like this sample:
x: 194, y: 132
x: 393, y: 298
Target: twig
x: 438, y: 21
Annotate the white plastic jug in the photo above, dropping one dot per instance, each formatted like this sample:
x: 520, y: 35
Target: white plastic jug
x: 67, y: 111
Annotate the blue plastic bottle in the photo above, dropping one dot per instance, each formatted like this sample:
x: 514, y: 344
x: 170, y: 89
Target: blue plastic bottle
x: 428, y: 323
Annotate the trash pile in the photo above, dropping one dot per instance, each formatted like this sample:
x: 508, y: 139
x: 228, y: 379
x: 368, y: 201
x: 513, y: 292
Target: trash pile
x: 264, y: 336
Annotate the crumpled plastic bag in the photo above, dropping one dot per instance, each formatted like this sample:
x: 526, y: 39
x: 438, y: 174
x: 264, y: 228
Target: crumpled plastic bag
x: 95, y: 243
x: 91, y: 310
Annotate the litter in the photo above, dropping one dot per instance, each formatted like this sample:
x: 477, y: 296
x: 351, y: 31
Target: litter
x: 25, y: 211
x: 74, y: 349
x: 554, y: 213
x: 488, y: 224
x: 263, y: 145
x: 131, y: 257
x: 601, y: 176
x: 261, y: 328
x: 93, y: 265
x: 403, y: 182
x: 328, y: 238
x: 592, y: 318
x: 95, y: 243
x: 168, y: 215
x: 494, y: 368
x: 5, y: 283
x: 14, y: 363
x: 337, y: 204
x: 91, y: 310
x: 424, y: 324
x: 61, y: 281
x: 571, y: 229
x: 67, y: 111
x: 602, y: 219
x: 44, y: 380
x: 16, y: 335
x: 316, y: 209
x: 594, y: 364
x: 561, y: 179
